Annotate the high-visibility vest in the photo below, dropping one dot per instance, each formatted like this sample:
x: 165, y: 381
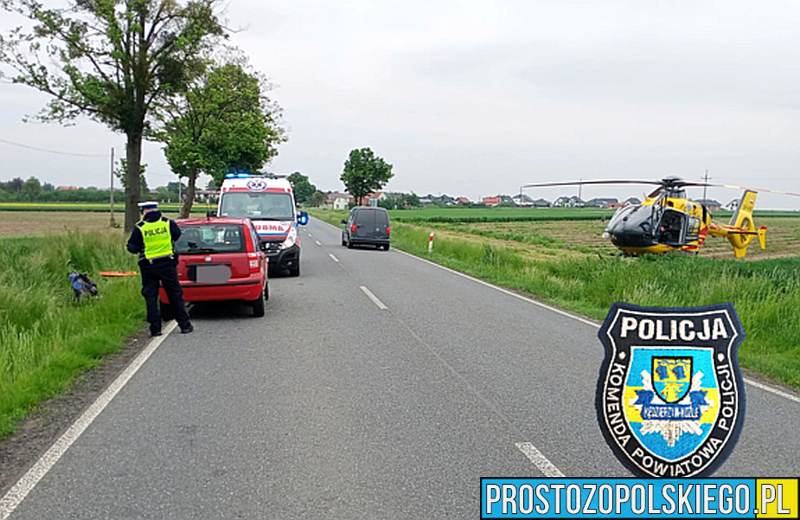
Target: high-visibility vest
x: 157, y: 238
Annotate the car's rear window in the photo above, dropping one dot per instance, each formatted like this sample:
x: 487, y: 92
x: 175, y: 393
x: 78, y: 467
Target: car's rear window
x: 211, y: 238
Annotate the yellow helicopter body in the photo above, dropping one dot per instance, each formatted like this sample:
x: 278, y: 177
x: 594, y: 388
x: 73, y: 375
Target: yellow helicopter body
x: 668, y: 221
x: 681, y: 225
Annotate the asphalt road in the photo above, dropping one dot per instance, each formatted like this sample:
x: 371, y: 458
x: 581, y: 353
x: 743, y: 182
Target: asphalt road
x: 334, y: 407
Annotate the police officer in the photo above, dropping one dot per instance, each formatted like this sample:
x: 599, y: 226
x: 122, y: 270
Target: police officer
x: 152, y: 239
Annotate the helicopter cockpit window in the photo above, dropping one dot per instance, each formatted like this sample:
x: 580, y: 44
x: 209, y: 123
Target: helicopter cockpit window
x: 672, y: 227
x: 693, y: 229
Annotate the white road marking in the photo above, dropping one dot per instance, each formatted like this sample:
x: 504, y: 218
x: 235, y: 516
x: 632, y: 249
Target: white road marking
x: 539, y: 460
x: 333, y: 258
x: 25, y: 485
x: 773, y: 390
x: 310, y: 235
x: 756, y: 384
x: 318, y: 242
x: 374, y: 298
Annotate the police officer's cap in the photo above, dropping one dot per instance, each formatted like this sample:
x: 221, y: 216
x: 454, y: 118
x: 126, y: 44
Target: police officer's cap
x: 148, y: 205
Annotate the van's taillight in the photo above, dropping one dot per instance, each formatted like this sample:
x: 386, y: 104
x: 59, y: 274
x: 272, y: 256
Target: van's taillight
x: 353, y: 228
x: 388, y: 230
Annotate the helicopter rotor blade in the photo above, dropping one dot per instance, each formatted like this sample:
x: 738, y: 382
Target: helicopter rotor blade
x: 580, y: 183
x: 735, y: 187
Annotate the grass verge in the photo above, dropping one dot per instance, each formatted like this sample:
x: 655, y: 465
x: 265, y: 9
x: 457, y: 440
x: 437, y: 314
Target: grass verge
x: 46, y: 338
x: 765, y: 293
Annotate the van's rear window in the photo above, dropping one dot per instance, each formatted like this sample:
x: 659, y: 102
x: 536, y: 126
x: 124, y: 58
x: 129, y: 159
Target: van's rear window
x: 211, y: 238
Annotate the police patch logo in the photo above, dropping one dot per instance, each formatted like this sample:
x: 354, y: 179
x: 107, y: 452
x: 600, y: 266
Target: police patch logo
x: 670, y: 397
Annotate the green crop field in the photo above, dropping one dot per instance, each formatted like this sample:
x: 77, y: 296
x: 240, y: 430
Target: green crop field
x: 458, y: 215
x: 569, y: 264
x: 119, y: 208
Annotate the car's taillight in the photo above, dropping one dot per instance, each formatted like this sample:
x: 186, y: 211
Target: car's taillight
x: 388, y: 230
x: 253, y: 260
x: 353, y: 228
x: 252, y: 256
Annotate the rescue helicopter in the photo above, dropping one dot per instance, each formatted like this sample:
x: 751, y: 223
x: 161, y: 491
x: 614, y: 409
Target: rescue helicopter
x: 668, y: 221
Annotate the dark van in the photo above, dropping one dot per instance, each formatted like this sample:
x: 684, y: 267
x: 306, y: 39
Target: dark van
x: 366, y: 225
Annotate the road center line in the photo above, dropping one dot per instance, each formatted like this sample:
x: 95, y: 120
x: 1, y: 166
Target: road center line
x: 25, y: 485
x: 333, y: 258
x: 318, y: 242
x: 374, y: 298
x: 749, y: 381
x: 539, y: 460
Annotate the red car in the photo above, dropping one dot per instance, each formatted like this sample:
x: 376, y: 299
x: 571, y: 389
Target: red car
x: 220, y: 259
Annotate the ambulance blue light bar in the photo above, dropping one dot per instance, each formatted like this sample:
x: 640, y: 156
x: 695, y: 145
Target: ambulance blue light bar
x: 240, y: 175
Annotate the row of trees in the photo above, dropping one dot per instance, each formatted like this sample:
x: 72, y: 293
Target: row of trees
x: 32, y: 190
x: 151, y: 69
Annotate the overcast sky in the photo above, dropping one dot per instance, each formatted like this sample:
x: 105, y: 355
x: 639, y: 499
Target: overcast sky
x: 477, y: 98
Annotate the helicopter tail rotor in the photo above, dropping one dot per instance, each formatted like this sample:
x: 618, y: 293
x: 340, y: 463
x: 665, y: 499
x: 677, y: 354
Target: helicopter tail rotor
x: 742, y: 230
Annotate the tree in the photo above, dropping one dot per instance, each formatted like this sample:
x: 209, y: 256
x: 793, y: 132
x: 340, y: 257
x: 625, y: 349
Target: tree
x: 302, y: 188
x: 317, y: 199
x: 121, y: 173
x: 48, y: 187
x: 117, y: 62
x: 31, y: 189
x: 223, y: 123
x: 14, y: 185
x: 365, y: 173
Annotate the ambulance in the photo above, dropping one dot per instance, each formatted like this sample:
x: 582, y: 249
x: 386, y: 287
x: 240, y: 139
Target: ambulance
x: 268, y: 201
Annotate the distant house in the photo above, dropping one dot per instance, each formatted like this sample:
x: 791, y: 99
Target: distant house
x: 521, y: 199
x: 541, y: 203
x: 492, y: 201
x: 68, y: 188
x: 378, y: 195
x: 336, y: 200
x: 569, y: 202
x: 444, y: 200
x: 710, y: 204
x: 601, y: 203
x: 733, y: 205
x: 206, y: 196
x: 463, y: 200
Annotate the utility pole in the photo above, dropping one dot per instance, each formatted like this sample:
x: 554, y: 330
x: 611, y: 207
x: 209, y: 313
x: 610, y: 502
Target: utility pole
x: 580, y: 189
x: 705, y: 180
x: 112, y: 223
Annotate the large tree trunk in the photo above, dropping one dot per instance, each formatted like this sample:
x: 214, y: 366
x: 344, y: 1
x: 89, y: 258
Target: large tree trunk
x: 132, y: 187
x: 187, y: 204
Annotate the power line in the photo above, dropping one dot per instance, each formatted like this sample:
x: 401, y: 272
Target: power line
x: 51, y: 151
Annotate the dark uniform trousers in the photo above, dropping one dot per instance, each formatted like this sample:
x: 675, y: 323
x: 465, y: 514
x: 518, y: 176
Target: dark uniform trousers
x: 165, y: 273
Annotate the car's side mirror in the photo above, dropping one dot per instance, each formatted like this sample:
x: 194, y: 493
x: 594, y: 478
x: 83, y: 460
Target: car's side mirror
x: 263, y: 246
x: 211, y: 213
x: 302, y: 218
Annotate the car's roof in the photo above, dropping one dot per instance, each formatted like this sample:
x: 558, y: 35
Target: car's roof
x: 370, y: 208
x: 210, y: 220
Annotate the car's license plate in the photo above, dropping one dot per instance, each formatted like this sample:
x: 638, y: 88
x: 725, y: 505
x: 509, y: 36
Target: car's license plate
x: 211, y: 273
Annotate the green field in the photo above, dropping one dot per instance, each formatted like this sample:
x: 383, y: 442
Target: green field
x: 46, y: 338
x: 466, y: 215
x: 555, y: 262
x: 105, y: 207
